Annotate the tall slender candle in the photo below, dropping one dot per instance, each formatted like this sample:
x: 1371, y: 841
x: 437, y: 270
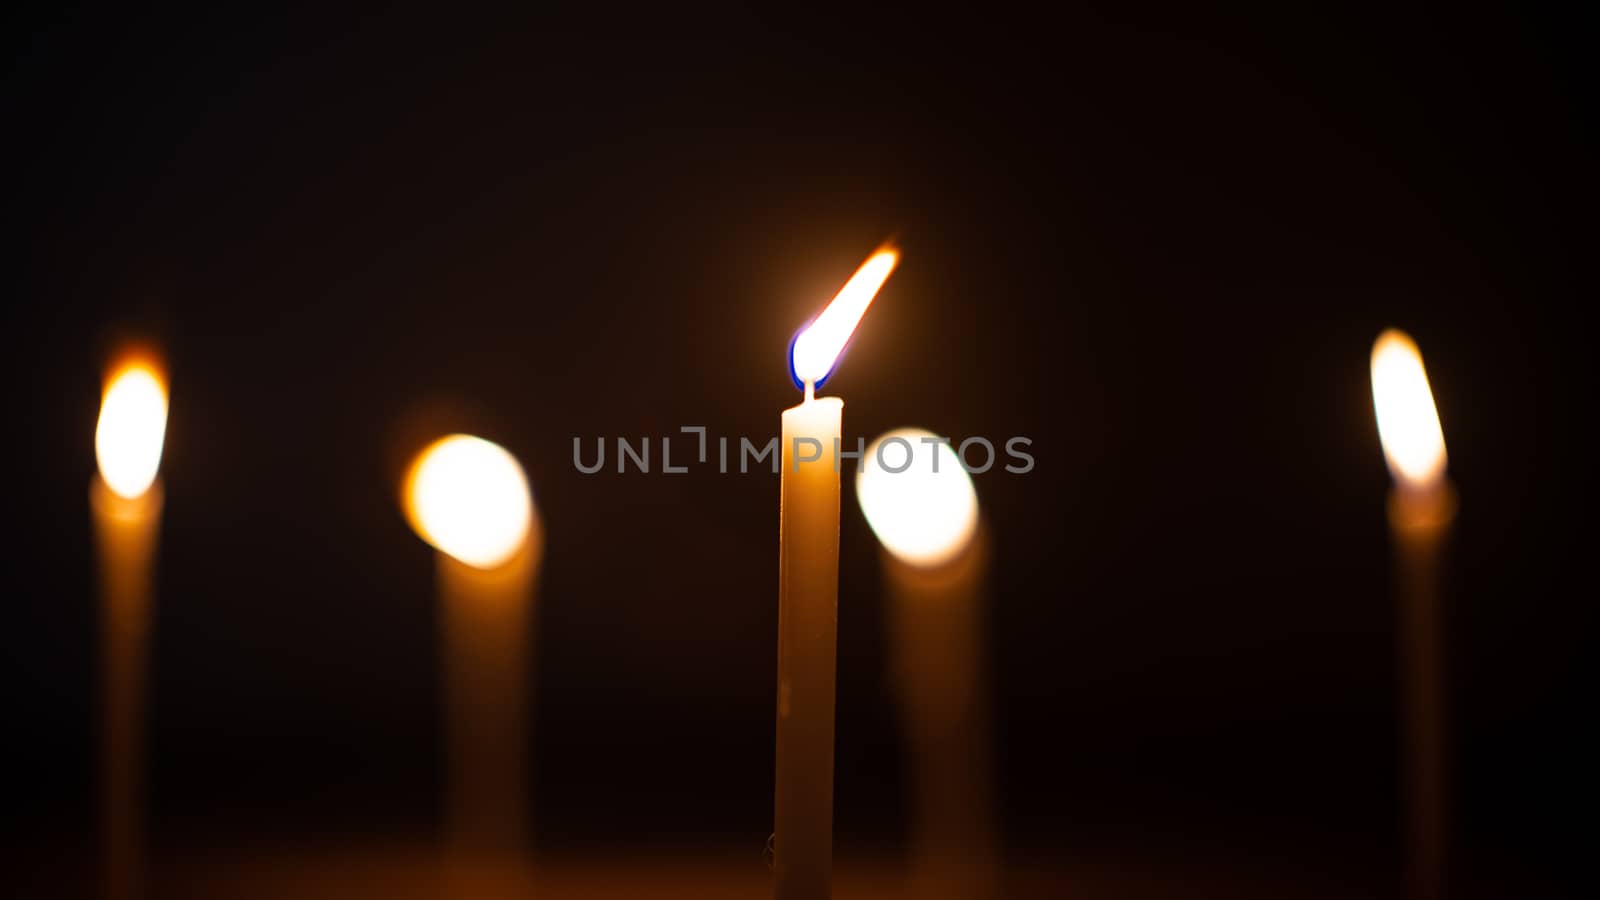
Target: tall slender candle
x: 921, y: 504
x: 1422, y: 506
x: 125, y: 500
x: 808, y: 597
x: 469, y: 499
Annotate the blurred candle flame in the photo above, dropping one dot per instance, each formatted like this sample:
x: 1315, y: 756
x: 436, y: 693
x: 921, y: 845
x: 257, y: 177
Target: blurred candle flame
x: 132, y: 427
x: 818, y: 347
x: 469, y: 498
x: 924, y: 517
x: 1408, y: 423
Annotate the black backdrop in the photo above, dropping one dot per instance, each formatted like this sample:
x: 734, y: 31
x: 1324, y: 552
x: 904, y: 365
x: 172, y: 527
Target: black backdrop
x: 1160, y: 248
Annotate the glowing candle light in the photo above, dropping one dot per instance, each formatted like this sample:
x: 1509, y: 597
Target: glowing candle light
x: 132, y: 428
x: 125, y: 499
x: 925, y: 513
x: 1422, y: 506
x: 808, y: 598
x: 920, y: 503
x: 470, y: 500
x: 818, y: 347
x: 1408, y: 424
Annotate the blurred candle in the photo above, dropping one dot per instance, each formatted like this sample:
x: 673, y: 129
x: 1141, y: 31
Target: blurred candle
x: 125, y: 500
x: 469, y: 499
x: 1421, y: 507
x: 920, y: 503
x: 808, y: 597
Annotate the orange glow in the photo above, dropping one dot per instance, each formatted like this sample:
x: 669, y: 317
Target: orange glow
x: 819, y: 346
x: 468, y: 498
x: 922, y: 516
x: 1408, y: 423
x: 132, y: 427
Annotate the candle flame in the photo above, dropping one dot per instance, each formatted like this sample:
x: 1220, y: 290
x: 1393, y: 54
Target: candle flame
x: 1408, y: 423
x: 922, y: 516
x: 818, y: 347
x: 132, y: 427
x: 468, y: 498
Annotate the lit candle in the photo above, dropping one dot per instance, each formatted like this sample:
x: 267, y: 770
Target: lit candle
x: 920, y: 503
x: 808, y: 597
x: 1422, y: 506
x: 125, y: 502
x: 469, y: 499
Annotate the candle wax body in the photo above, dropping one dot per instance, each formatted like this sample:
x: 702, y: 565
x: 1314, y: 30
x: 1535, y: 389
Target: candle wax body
x: 936, y: 620
x: 126, y: 534
x: 486, y: 618
x: 808, y: 621
x: 1419, y: 523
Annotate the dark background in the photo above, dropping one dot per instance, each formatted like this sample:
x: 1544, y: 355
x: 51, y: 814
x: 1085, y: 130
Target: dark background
x: 1160, y: 247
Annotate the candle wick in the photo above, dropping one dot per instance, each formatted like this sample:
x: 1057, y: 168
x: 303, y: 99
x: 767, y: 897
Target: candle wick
x: 811, y: 392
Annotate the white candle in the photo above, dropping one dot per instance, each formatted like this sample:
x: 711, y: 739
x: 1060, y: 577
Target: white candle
x: 808, y: 598
x: 1422, y: 506
x: 125, y: 500
x: 921, y: 504
x: 469, y: 499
